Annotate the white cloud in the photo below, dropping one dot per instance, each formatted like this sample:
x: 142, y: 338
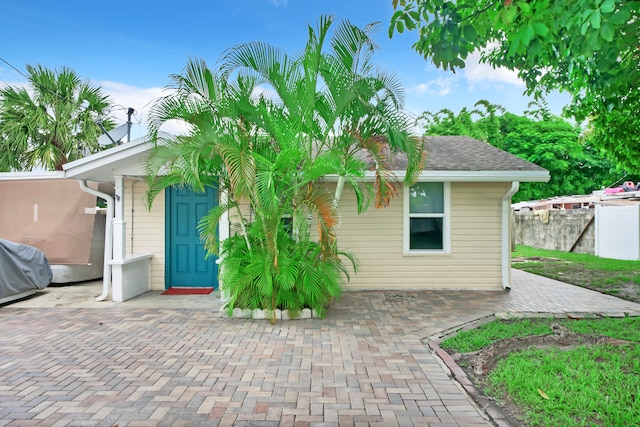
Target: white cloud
x: 17, y: 85
x: 141, y: 100
x: 279, y: 3
x: 477, y: 73
x: 439, y: 87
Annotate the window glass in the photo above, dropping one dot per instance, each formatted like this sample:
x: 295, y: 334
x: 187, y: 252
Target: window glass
x: 425, y: 233
x: 426, y: 197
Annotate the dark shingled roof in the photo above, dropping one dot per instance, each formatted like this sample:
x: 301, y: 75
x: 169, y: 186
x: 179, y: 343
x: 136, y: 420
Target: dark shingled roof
x: 463, y: 153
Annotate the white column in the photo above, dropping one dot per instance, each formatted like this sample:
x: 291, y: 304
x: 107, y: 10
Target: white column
x: 119, y: 225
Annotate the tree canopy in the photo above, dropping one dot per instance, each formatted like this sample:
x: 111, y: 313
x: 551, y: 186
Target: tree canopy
x: 588, y: 48
x: 51, y: 122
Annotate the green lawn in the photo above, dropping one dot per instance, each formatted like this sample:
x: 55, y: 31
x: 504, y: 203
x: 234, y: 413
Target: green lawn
x: 582, y: 386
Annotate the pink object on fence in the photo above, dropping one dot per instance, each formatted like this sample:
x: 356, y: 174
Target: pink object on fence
x: 613, y: 190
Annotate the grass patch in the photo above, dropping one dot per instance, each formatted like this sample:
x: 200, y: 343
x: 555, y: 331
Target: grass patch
x: 591, y: 262
x: 585, y: 385
x: 626, y: 328
x: 485, y: 335
x: 595, y: 385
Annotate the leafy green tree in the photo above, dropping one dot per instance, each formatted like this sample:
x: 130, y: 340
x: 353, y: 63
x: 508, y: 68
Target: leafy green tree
x: 482, y: 122
x: 575, y: 166
x: 268, y: 129
x: 588, y: 48
x: 51, y: 122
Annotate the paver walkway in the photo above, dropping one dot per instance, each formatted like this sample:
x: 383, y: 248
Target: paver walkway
x: 364, y: 365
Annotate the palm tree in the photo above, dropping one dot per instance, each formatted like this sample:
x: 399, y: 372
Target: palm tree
x: 337, y: 103
x: 268, y: 128
x: 51, y: 122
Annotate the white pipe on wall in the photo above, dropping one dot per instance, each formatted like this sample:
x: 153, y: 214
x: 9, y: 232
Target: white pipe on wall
x: 108, y: 238
x: 506, y: 234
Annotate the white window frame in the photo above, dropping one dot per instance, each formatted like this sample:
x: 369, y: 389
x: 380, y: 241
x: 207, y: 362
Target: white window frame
x: 446, y: 223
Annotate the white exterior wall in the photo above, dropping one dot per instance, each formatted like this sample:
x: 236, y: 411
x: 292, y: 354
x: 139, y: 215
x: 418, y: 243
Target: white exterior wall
x: 618, y: 232
x: 146, y: 228
x: 474, y: 262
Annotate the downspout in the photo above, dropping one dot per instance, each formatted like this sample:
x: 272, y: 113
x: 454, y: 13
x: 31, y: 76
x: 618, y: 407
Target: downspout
x: 108, y: 240
x: 506, y: 234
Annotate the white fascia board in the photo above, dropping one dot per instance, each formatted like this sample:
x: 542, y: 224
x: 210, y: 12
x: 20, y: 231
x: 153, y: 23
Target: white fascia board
x: 477, y: 176
x: 110, y: 155
x: 484, y: 176
x: 14, y: 176
x: 469, y: 176
x: 104, y: 159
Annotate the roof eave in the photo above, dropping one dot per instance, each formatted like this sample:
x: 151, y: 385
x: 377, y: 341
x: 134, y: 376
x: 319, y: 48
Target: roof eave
x: 104, y: 165
x: 14, y: 176
x: 476, y: 176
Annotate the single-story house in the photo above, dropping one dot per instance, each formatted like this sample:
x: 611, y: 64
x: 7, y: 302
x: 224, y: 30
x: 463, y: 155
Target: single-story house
x: 450, y: 230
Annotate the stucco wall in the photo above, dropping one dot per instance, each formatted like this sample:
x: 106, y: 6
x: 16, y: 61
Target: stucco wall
x: 559, y: 232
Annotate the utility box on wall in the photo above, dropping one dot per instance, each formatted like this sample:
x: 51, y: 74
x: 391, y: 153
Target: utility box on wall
x: 618, y: 232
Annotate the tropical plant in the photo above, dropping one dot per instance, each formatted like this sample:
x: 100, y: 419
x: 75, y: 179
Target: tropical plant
x: 303, y: 277
x: 51, y: 122
x: 269, y: 129
x: 586, y: 48
x: 479, y: 123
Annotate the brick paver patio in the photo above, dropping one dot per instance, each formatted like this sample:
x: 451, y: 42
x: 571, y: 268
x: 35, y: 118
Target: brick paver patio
x: 364, y: 365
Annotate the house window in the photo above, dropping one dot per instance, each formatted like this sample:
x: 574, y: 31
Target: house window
x: 427, y: 218
x: 287, y: 223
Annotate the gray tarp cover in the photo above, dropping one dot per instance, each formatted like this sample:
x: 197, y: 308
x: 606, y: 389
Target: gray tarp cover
x: 22, y: 268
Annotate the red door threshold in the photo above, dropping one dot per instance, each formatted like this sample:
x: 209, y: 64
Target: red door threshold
x: 188, y: 291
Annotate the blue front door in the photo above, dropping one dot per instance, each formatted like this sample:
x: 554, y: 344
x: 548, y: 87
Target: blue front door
x: 186, y: 264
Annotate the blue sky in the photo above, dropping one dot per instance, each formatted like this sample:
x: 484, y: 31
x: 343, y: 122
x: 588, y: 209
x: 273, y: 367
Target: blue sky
x: 130, y: 48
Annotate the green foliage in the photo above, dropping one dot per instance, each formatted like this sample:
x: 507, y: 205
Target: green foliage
x: 484, y: 335
x: 302, y: 277
x: 268, y: 128
x: 482, y: 122
x: 617, y: 132
x: 587, y: 48
x: 627, y: 328
x: 593, y: 385
x: 575, y: 165
x: 586, y: 261
x: 48, y: 124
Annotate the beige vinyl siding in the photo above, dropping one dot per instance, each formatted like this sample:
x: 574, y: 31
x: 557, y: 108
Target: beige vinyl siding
x: 244, y: 208
x: 145, y: 228
x: 376, y: 238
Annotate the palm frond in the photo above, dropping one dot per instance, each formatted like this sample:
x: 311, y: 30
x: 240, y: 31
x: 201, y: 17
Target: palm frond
x: 208, y: 226
x: 241, y: 169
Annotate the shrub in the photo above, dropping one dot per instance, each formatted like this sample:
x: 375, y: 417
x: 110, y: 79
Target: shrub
x: 299, y: 276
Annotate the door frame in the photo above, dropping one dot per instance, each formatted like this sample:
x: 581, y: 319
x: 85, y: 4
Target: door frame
x: 167, y: 247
